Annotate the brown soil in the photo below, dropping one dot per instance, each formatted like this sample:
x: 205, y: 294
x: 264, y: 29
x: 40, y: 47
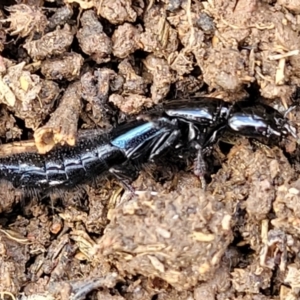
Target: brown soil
x: 67, y: 65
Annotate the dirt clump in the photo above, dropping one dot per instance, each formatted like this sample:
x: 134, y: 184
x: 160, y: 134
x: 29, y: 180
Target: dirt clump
x: 70, y: 65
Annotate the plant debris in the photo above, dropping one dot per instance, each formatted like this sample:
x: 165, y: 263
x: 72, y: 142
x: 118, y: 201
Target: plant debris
x: 85, y: 64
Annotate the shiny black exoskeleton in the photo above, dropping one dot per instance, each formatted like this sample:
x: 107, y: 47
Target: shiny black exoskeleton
x: 259, y: 120
x: 207, y: 118
x: 179, y: 125
x: 120, y: 152
x: 202, y: 121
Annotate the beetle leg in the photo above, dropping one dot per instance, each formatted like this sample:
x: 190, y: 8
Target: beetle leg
x: 125, y: 174
x: 200, y: 166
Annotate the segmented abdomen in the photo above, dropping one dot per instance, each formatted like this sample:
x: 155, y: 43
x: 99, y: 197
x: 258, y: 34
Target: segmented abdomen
x: 91, y: 157
x: 64, y: 166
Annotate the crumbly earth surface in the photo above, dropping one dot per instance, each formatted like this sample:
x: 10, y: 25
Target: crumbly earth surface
x: 68, y: 65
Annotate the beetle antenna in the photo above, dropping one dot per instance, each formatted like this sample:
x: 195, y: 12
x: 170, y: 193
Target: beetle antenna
x: 289, y: 110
